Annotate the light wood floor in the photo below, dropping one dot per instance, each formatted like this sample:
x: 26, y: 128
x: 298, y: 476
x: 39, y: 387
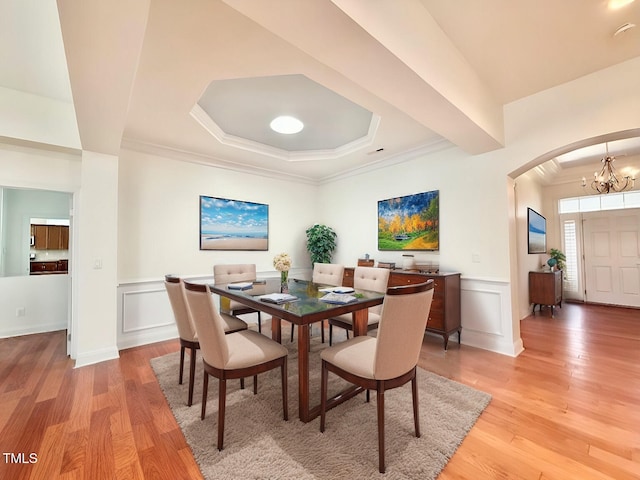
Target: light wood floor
x: 566, y: 408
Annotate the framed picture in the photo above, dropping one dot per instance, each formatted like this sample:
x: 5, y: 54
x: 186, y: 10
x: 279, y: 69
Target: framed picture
x: 233, y: 224
x: 411, y: 222
x: 536, y: 232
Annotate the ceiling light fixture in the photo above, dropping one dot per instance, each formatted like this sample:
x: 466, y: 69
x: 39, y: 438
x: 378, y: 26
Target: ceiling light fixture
x: 286, y: 125
x: 607, y: 181
x: 615, y: 4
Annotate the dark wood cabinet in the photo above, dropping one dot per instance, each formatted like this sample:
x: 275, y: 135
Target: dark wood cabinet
x: 49, y: 267
x: 50, y: 237
x: 444, y: 316
x: 545, y: 289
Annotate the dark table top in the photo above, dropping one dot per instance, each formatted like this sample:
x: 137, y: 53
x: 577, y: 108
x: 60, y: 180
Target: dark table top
x: 308, y: 308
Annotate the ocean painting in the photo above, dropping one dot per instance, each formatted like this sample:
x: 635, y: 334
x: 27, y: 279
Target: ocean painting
x: 411, y: 222
x: 233, y: 224
x: 537, y: 232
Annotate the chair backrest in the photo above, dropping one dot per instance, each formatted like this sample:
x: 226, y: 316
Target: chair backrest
x: 328, y: 274
x: 241, y: 272
x: 373, y: 279
x: 401, y: 330
x: 208, y: 322
x: 175, y: 289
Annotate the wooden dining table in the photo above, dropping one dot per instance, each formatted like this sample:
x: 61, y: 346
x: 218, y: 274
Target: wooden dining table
x: 307, y: 309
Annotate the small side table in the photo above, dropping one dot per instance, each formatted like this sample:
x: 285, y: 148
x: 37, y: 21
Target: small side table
x: 545, y: 288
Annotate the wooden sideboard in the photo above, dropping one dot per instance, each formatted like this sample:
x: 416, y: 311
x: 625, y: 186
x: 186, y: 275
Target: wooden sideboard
x: 545, y: 288
x: 444, y: 316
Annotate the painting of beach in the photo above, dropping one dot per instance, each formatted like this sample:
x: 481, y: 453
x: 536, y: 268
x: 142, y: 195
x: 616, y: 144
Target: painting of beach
x: 233, y: 224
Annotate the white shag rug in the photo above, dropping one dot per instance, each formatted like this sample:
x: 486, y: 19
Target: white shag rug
x: 259, y: 444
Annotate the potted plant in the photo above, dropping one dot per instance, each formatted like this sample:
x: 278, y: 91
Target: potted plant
x: 557, y: 259
x: 321, y: 242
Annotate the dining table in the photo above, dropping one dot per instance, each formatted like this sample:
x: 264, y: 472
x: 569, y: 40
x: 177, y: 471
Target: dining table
x: 307, y: 308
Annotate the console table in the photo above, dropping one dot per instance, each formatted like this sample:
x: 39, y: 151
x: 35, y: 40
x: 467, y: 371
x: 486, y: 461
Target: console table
x: 444, y: 316
x: 545, y: 288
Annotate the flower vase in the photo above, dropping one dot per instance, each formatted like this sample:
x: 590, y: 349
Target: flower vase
x: 284, y: 281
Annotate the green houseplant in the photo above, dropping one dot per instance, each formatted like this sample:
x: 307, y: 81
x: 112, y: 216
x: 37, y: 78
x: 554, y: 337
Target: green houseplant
x: 321, y: 242
x: 557, y: 258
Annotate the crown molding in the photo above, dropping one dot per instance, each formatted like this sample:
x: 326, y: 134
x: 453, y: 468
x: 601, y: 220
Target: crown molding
x: 206, y: 122
x: 211, y: 161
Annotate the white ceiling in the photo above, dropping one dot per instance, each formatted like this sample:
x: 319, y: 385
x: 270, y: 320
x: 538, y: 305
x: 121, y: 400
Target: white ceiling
x: 434, y: 72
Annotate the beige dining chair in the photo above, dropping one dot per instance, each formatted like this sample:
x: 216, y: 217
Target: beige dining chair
x: 330, y: 274
x: 386, y: 361
x: 186, y: 329
x: 232, y: 273
x: 364, y: 278
x: 236, y: 355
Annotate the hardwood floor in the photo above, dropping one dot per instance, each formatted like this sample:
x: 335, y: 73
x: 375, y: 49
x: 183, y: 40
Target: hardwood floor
x: 567, y: 408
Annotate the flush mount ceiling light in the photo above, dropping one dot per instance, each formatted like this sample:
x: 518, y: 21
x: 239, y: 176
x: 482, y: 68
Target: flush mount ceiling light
x: 607, y: 180
x: 615, y: 4
x: 286, y: 124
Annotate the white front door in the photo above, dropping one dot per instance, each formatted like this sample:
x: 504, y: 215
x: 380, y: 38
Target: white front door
x: 612, y: 257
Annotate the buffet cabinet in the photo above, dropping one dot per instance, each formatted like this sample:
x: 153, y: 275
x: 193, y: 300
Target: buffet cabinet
x: 545, y: 288
x: 444, y: 316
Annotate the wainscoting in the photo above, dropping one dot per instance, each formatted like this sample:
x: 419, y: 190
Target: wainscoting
x: 487, y: 317
x: 145, y: 316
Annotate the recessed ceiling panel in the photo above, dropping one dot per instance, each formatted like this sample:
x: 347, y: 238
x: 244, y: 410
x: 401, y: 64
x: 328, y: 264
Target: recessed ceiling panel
x: 244, y: 108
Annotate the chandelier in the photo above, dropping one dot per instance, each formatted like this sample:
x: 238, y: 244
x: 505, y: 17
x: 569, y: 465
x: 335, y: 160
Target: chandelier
x: 607, y: 181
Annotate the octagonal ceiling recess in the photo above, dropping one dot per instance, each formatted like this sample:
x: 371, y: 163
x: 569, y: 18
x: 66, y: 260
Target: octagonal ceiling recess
x: 237, y: 112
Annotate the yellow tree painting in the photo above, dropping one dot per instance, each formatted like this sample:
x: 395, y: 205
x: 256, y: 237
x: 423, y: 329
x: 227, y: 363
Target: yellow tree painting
x: 410, y: 222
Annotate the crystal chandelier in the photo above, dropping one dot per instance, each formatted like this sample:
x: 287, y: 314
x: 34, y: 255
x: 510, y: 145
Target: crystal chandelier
x: 607, y: 180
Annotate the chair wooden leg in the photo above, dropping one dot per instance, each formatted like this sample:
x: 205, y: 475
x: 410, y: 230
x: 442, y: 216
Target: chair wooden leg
x: 416, y: 413
x: 181, y: 364
x: 255, y: 384
x: 259, y: 323
x: 322, y: 331
x: 222, y: 397
x: 192, y: 374
x: 323, y: 394
x: 330, y: 334
x: 205, y: 387
x: 293, y: 326
x: 242, y: 384
x: 285, y: 393
x: 380, y: 399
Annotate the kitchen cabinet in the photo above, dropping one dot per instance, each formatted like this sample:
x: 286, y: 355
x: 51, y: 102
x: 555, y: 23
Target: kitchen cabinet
x: 49, y: 267
x: 50, y: 237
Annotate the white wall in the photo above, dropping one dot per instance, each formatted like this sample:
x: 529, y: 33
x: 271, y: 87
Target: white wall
x: 158, y: 217
x: 528, y: 194
x: 94, y: 261
x: 43, y: 298
x: 38, y: 119
x: 158, y: 233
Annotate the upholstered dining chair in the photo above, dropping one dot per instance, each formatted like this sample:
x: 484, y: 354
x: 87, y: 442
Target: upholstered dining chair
x: 330, y: 274
x: 186, y: 328
x: 386, y: 361
x: 236, y: 355
x: 241, y: 272
x: 364, y: 278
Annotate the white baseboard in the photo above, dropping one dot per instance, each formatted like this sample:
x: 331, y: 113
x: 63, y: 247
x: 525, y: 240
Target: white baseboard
x: 96, y: 356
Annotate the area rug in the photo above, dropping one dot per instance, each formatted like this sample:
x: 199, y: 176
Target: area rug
x: 259, y: 444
